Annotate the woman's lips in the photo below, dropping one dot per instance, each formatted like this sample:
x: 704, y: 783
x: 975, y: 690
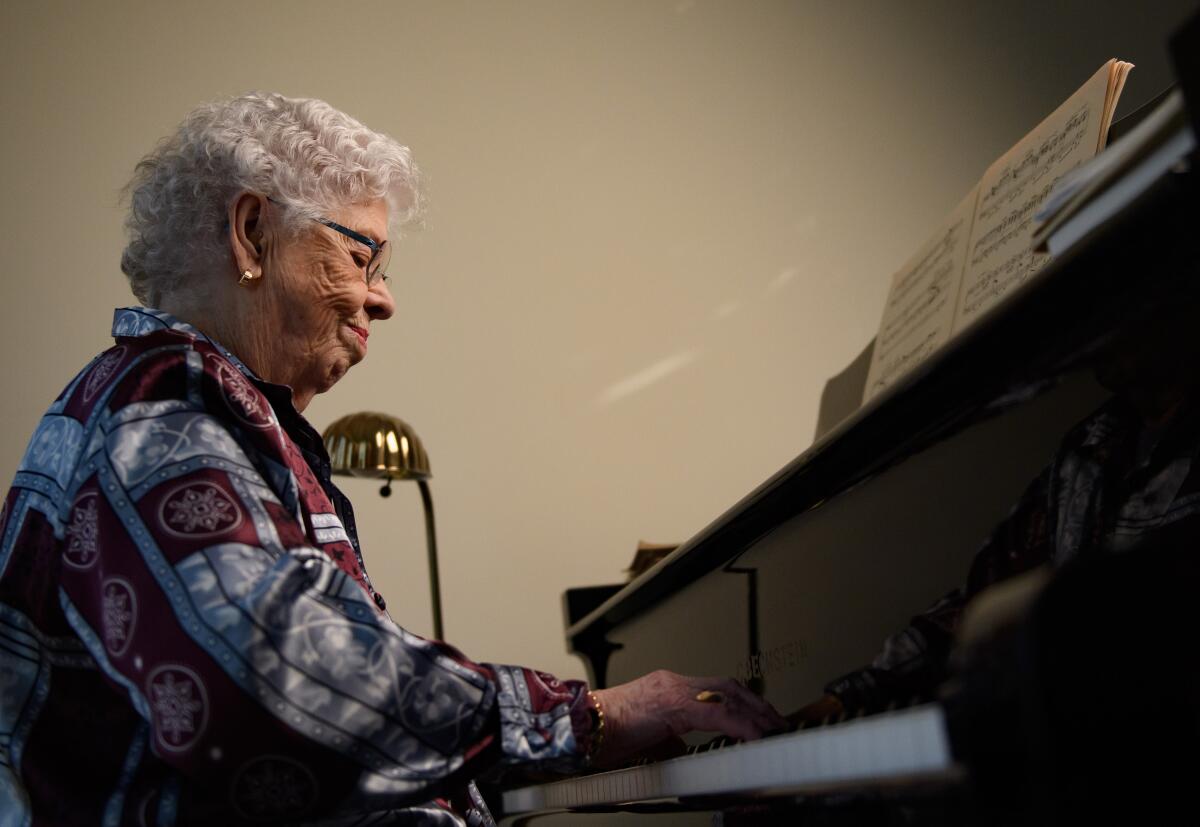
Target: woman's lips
x: 362, y: 333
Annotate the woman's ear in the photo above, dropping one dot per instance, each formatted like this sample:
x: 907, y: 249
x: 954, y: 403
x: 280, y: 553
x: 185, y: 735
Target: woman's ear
x: 245, y: 233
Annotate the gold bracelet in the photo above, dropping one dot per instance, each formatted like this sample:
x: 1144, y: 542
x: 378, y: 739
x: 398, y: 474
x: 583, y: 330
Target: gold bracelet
x: 597, y: 734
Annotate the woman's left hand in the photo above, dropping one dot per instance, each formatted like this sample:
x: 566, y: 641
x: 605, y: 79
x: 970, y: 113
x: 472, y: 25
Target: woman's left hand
x: 662, y: 706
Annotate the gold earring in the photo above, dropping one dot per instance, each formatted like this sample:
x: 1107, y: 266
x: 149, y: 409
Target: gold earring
x: 247, y: 275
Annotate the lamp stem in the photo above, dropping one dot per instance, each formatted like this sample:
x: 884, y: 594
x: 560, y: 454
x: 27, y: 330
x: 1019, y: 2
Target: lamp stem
x: 435, y: 588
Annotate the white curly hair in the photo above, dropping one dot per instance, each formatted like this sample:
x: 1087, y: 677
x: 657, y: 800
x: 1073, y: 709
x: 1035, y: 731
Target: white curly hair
x: 305, y: 155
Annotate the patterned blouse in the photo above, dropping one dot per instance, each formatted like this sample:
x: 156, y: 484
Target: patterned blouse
x: 187, y: 631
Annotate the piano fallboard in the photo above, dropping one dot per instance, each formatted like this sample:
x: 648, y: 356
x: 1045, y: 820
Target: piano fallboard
x: 816, y: 595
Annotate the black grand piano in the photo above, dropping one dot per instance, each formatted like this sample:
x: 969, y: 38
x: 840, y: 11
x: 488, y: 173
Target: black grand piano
x: 802, y: 580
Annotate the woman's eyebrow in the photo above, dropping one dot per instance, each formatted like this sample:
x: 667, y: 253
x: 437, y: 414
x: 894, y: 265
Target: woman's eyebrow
x: 348, y: 240
x: 369, y: 235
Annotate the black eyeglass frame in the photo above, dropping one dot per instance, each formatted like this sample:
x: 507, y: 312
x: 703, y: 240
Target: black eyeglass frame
x: 375, y: 271
x: 372, y: 277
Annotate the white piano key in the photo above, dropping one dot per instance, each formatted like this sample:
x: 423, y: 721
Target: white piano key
x: 878, y: 748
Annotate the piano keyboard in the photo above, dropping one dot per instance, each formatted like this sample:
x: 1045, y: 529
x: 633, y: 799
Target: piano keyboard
x: 886, y: 748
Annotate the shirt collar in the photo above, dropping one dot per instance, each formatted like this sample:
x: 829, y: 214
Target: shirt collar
x: 134, y: 322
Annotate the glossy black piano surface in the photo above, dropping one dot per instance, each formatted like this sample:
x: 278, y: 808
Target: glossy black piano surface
x: 814, y: 596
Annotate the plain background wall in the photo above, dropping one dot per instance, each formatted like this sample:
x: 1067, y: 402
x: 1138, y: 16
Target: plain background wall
x: 656, y: 228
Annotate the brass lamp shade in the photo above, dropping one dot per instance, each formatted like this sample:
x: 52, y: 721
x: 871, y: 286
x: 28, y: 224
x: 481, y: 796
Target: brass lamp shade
x: 380, y: 445
x: 376, y: 445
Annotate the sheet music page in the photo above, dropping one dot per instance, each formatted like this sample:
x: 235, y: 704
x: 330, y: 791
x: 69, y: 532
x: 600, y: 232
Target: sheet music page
x: 919, y: 313
x: 1000, y: 256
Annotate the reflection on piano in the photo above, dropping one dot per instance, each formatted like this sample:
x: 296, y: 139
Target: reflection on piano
x: 801, y: 581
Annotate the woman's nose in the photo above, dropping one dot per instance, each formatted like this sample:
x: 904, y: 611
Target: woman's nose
x: 380, y: 305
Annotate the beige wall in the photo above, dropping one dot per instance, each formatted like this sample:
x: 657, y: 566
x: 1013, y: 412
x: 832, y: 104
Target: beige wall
x: 655, y: 229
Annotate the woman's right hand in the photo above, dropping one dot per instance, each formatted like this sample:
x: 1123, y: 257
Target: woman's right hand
x: 660, y: 707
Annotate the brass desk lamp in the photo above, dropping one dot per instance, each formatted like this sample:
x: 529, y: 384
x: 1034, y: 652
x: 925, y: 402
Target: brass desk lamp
x: 376, y: 445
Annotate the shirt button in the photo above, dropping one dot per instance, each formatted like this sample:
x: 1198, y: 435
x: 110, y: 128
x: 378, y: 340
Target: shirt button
x: 380, y: 602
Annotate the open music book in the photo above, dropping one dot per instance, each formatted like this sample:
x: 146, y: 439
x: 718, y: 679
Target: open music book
x: 1108, y: 183
x: 982, y: 250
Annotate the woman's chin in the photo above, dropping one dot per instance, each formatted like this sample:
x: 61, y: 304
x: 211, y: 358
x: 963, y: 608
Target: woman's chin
x: 337, y: 371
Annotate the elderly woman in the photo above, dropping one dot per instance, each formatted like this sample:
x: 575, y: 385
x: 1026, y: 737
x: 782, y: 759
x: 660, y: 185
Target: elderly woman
x: 189, y: 630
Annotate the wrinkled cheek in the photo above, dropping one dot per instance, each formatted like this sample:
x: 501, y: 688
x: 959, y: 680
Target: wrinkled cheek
x: 314, y: 323
x: 347, y: 303
x: 328, y: 316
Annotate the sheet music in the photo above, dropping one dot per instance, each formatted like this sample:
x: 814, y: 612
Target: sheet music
x: 919, y: 313
x: 1000, y: 256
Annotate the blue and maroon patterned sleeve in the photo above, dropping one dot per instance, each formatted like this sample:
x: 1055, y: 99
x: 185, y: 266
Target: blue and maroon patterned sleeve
x: 211, y: 579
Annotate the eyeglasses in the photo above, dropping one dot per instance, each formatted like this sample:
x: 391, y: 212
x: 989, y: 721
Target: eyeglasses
x: 381, y: 254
